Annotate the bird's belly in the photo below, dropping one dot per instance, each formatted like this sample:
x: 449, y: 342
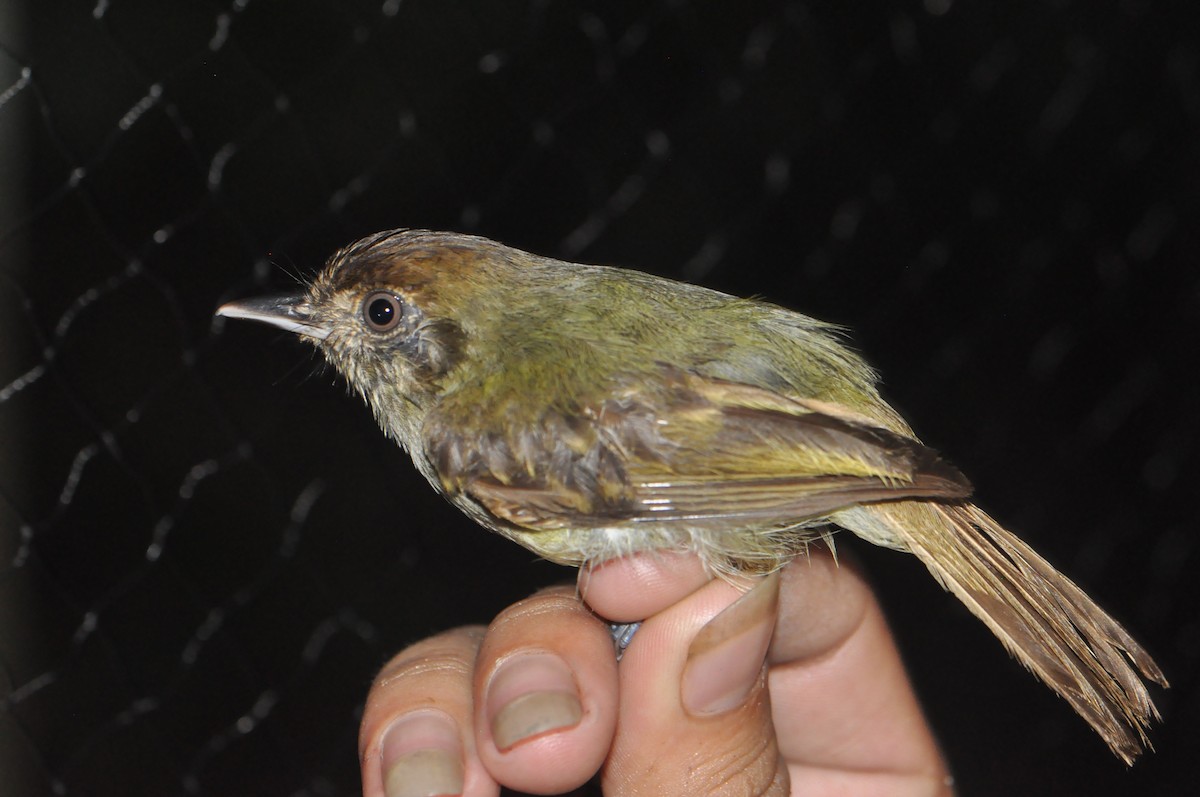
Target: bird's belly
x: 723, y: 550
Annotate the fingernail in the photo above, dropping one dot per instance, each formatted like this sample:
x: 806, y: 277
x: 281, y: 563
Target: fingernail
x: 422, y: 757
x: 726, y: 657
x: 530, y: 695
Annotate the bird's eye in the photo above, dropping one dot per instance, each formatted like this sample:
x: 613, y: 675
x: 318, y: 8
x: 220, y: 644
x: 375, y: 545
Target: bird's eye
x: 382, y: 311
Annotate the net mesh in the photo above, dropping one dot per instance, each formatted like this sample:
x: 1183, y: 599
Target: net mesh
x: 207, y: 549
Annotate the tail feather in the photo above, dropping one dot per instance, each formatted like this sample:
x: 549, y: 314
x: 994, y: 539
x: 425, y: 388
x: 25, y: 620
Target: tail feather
x: 1040, y: 616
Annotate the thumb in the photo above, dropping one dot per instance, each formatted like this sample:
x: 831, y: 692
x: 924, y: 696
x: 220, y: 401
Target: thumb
x: 695, y: 715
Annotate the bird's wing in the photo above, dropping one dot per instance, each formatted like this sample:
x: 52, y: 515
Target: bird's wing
x: 694, y: 449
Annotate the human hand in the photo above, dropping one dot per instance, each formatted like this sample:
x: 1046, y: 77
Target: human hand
x: 537, y: 701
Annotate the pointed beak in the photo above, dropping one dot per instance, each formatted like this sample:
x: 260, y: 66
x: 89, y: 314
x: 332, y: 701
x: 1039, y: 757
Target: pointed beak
x: 290, y: 312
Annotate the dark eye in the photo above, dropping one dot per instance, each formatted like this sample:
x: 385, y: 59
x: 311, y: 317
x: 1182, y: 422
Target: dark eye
x: 382, y: 311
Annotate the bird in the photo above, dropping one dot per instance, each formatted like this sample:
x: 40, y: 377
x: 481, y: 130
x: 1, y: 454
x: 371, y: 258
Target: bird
x: 589, y: 412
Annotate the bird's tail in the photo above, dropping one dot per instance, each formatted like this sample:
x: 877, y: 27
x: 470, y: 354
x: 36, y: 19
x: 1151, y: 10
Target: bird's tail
x: 1043, y: 619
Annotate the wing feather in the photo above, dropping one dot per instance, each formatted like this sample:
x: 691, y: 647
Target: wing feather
x: 696, y: 451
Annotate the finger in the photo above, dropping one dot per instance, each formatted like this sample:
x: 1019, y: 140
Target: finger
x: 546, y: 681
x: 823, y: 600
x: 695, y: 715
x: 845, y: 715
x: 415, y: 737
x: 634, y: 587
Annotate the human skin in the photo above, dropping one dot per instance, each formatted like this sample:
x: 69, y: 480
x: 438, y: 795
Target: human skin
x: 827, y: 710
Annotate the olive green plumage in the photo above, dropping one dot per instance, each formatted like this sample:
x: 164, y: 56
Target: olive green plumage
x: 588, y: 412
x: 591, y: 429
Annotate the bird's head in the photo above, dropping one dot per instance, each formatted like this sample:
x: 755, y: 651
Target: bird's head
x: 393, y: 312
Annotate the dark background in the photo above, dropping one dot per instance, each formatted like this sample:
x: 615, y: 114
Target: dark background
x: 206, y: 547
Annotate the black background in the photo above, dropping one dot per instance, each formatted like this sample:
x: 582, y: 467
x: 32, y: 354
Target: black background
x: 206, y: 547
